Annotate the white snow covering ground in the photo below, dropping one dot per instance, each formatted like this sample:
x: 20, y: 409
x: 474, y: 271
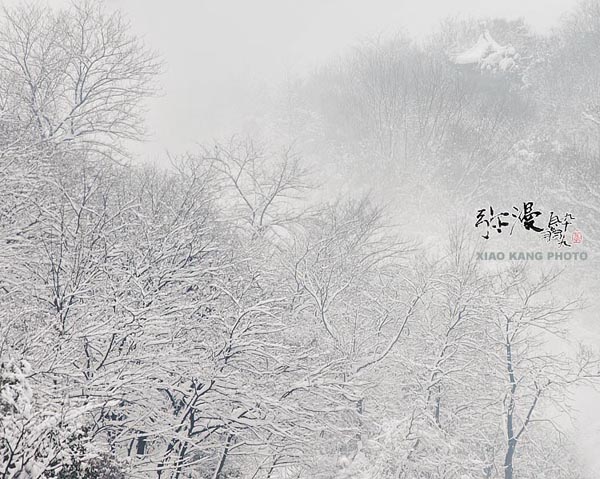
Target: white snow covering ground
x: 489, y: 55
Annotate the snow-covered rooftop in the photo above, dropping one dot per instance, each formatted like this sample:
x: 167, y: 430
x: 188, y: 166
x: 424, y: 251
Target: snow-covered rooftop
x: 488, y: 54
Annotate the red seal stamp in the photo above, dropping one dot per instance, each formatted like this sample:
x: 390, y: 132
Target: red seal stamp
x: 577, y: 237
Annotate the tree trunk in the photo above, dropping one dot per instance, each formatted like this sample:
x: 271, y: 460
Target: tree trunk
x: 508, y: 459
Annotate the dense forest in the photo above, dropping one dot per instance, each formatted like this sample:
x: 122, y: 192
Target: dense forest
x: 273, y: 305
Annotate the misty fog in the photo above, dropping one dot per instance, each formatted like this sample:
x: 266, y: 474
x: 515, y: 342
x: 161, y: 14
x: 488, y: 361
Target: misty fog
x: 281, y: 239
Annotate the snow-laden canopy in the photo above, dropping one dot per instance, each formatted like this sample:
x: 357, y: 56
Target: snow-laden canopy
x: 488, y: 54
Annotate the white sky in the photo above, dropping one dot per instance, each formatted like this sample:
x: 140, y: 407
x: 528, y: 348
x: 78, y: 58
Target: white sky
x: 218, y: 52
